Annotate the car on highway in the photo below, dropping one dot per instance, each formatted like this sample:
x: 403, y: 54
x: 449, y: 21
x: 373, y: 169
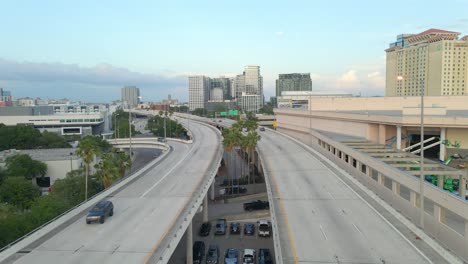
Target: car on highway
x: 264, y: 256
x: 264, y: 228
x: 221, y: 227
x: 262, y: 128
x: 161, y: 139
x: 198, y: 252
x: 220, y: 120
x: 231, y: 256
x: 249, y: 256
x: 213, y: 255
x: 100, y: 211
x: 205, y: 229
x: 249, y: 229
x: 256, y: 205
x: 235, y: 228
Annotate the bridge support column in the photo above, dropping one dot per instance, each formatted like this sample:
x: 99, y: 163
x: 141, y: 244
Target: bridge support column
x: 205, y: 208
x: 368, y: 171
x: 189, y: 244
x: 462, y: 187
x: 398, y: 137
x: 440, y: 181
x: 212, y: 190
x: 413, y: 199
x: 439, y: 214
x: 382, y: 134
x: 396, y: 188
x: 380, y: 178
x: 442, y: 146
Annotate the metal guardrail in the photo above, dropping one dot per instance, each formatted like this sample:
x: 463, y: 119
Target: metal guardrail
x: 114, y: 187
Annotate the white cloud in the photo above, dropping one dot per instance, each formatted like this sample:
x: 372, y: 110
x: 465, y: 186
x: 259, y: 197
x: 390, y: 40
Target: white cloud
x: 315, y: 76
x: 279, y: 33
x: 349, y: 76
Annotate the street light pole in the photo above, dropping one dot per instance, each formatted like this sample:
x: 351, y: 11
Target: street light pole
x: 421, y: 177
x: 130, y: 128
x: 421, y: 155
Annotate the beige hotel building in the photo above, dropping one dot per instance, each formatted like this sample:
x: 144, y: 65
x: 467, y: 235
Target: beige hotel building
x: 436, y: 59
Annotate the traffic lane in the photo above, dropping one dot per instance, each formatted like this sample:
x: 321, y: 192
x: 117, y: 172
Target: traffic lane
x: 312, y: 194
x: 119, y: 233
x: 133, y: 234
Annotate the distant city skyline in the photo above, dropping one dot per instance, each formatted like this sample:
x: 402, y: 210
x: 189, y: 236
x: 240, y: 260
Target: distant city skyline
x: 90, y: 50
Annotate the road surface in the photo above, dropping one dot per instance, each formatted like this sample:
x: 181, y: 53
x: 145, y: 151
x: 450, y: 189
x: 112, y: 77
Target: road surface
x: 143, y: 211
x: 321, y: 220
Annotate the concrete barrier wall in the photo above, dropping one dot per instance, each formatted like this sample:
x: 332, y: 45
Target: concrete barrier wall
x: 433, y: 225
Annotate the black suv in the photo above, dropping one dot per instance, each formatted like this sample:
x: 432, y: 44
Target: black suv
x: 205, y: 229
x: 100, y: 211
x: 198, y: 252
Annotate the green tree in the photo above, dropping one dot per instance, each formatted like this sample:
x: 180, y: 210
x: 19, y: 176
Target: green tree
x: 3, y: 174
x: 18, y: 192
x: 267, y: 109
x: 87, y: 150
x: 23, y: 165
x: 199, y: 112
x: 52, y: 140
x: 250, y: 143
x: 122, y: 161
x: 72, y: 188
x: 47, y: 207
x: 107, y: 170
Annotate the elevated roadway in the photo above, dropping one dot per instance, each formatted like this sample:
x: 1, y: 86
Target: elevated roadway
x: 147, y: 212
x: 320, y: 218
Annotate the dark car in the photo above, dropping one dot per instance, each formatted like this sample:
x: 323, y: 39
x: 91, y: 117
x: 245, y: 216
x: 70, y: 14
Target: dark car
x: 262, y: 129
x: 249, y: 229
x: 235, y: 228
x: 100, y: 211
x: 213, y: 255
x: 205, y: 229
x: 264, y: 256
x: 198, y: 252
x: 161, y: 139
x: 231, y: 256
x: 256, y: 205
x: 221, y: 226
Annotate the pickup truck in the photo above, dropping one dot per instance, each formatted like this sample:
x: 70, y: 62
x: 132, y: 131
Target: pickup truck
x: 256, y: 205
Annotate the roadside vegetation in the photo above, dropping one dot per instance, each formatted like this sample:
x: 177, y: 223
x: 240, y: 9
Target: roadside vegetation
x: 173, y: 128
x: 242, y: 138
x: 22, y: 206
x: 121, y: 126
x: 27, y: 137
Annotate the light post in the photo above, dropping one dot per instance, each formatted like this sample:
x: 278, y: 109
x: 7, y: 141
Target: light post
x: 130, y: 129
x: 116, y: 126
x: 421, y: 154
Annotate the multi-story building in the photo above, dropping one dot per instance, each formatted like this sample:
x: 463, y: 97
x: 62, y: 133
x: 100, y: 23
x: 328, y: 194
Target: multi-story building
x: 293, y: 82
x: 216, y: 94
x: 221, y: 83
x: 131, y: 95
x: 250, y: 86
x: 199, y: 91
x: 434, y: 60
x: 27, y: 101
x: 5, y: 98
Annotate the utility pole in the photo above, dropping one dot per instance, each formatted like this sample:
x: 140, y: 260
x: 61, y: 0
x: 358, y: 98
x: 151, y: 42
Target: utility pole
x: 421, y: 177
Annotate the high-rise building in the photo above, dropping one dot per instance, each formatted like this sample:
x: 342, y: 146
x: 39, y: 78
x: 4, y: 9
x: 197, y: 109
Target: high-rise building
x: 250, y: 86
x: 5, y: 98
x: 199, y: 91
x: 434, y: 59
x: 216, y: 94
x: 222, y: 83
x: 293, y: 82
x: 131, y: 95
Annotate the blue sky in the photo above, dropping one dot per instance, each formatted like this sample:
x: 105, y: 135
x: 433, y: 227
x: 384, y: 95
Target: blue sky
x: 87, y: 50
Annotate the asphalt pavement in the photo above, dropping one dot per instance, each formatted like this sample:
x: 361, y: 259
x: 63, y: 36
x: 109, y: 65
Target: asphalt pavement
x: 143, y: 211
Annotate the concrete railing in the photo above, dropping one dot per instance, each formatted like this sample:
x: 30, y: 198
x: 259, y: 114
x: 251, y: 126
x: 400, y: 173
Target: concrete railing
x: 165, y: 250
x: 64, y: 219
x: 388, y: 182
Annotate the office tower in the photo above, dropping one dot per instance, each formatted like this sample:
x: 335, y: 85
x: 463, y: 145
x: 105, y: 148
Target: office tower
x: 250, y: 86
x: 131, y: 95
x: 216, y: 94
x: 222, y: 83
x: 199, y: 91
x: 435, y: 59
x: 5, y: 98
x: 293, y: 82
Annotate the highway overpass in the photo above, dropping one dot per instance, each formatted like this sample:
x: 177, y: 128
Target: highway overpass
x: 152, y: 212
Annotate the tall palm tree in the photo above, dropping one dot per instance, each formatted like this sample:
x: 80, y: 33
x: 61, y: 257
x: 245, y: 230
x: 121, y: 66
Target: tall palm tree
x: 250, y: 142
x: 87, y: 149
x: 122, y: 161
x: 251, y: 125
x: 229, y: 143
x: 107, y: 171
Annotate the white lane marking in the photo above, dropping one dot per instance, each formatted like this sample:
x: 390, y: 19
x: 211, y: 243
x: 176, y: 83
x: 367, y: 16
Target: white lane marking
x: 333, y: 197
x: 167, y: 173
x: 323, y: 232
x: 357, y: 228
x: 325, y: 159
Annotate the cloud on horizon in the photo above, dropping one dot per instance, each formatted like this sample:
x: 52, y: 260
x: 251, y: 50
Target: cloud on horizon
x: 97, y: 83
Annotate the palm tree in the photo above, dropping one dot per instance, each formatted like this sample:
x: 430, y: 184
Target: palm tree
x: 107, y: 172
x: 251, y: 125
x: 122, y: 161
x: 250, y: 143
x: 87, y: 149
x: 229, y: 143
